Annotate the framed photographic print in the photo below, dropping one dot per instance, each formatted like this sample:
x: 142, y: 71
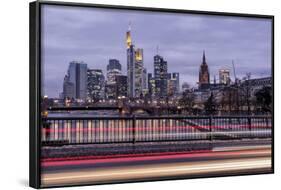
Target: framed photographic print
x: 133, y: 94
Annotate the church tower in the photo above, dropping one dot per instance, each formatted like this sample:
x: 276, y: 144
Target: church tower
x: 204, y: 75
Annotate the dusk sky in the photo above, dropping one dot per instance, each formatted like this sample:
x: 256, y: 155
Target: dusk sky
x: 95, y: 35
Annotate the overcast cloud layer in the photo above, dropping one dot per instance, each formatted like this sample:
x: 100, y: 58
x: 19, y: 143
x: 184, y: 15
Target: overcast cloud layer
x: 96, y: 35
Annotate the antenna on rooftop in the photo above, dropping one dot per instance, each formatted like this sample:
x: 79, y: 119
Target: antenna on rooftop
x: 130, y: 26
x: 234, y: 72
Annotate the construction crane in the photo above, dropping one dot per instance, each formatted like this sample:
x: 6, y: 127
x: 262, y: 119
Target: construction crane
x: 234, y: 73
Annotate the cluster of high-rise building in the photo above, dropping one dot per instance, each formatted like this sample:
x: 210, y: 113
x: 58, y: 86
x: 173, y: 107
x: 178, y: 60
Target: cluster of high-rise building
x: 82, y: 83
x: 162, y: 84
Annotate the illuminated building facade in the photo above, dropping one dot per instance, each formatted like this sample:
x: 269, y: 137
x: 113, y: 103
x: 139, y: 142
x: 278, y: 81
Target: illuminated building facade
x: 130, y: 64
x: 96, y: 85
x: 114, y: 69
x: 176, y: 77
x: 161, y: 76
x: 121, y: 86
x: 151, y: 85
x: 144, y: 80
x: 138, y: 72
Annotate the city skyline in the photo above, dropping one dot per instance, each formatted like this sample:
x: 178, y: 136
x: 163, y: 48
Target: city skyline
x: 76, y: 34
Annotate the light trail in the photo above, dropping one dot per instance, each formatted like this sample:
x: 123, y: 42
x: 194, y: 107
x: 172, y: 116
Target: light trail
x: 215, y: 154
x: 266, y: 133
x: 122, y: 155
x: 157, y: 170
x: 214, y: 149
x: 233, y: 148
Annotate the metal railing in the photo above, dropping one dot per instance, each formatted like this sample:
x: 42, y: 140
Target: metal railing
x: 132, y: 129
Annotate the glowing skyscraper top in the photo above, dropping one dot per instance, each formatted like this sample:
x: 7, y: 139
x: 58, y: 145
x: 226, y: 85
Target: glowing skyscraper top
x: 128, y: 37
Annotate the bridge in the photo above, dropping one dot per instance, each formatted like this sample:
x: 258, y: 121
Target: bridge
x: 128, y: 109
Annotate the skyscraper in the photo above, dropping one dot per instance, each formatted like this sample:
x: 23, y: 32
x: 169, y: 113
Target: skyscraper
x: 224, y: 76
x: 121, y: 86
x: 172, y: 87
x: 204, y: 75
x: 138, y: 72
x: 160, y: 67
x: 176, y: 77
x: 151, y: 85
x: 144, y: 78
x: 161, y: 76
x: 128, y: 37
x: 96, y: 85
x: 113, y: 69
x: 68, y: 88
x: 77, y: 75
x: 130, y: 64
x: 113, y: 64
x: 135, y: 67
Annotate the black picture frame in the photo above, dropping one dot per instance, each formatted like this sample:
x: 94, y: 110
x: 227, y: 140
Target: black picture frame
x: 35, y: 87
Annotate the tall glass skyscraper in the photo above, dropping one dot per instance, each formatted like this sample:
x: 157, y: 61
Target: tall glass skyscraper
x: 138, y: 72
x: 135, y: 67
x: 96, y: 83
x: 113, y: 70
x: 151, y: 85
x: 144, y: 78
x: 161, y: 76
x: 77, y: 76
x: 160, y: 67
x: 130, y: 65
